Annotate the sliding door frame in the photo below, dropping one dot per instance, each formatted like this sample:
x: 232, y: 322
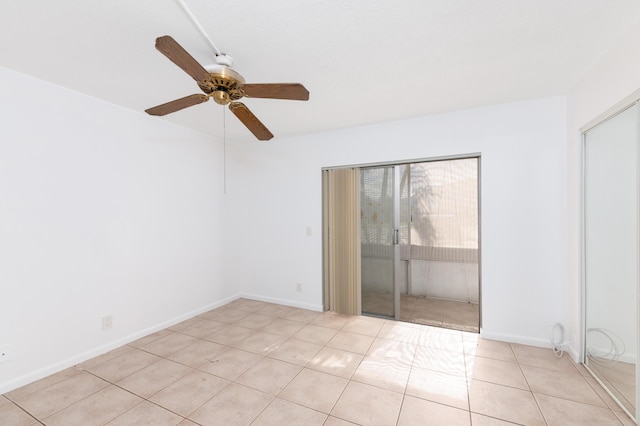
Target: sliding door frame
x: 396, y: 164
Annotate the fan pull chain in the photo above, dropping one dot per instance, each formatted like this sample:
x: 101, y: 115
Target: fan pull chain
x: 198, y: 26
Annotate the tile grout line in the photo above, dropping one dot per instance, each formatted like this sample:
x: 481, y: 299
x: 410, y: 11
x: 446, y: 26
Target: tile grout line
x: 299, y: 372
x: 143, y: 399
x: 466, y: 379
x: 63, y: 408
x: 604, y: 406
x: 168, y: 385
x: 24, y: 410
x: 302, y: 368
x: 266, y: 356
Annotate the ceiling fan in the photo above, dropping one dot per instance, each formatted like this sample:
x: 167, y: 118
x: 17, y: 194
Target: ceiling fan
x: 225, y: 86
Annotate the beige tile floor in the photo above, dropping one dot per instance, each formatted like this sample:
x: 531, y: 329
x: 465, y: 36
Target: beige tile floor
x: 425, y: 310
x: 254, y: 363
x: 619, y: 377
x: 440, y: 313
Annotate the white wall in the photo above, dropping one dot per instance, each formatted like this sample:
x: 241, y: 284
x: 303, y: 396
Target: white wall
x: 445, y: 280
x: 524, y: 257
x: 108, y: 211
x: 607, y: 82
x: 103, y: 211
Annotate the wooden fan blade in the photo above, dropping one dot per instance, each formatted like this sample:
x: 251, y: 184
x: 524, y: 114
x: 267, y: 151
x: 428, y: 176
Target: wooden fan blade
x: 292, y: 91
x: 251, y: 121
x: 177, y: 105
x: 172, y: 50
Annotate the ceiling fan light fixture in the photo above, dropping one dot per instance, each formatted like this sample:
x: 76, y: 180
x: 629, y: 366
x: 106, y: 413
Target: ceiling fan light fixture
x: 221, y: 97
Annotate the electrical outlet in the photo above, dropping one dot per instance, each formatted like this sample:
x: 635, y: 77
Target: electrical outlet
x: 299, y: 287
x: 4, y: 354
x: 107, y: 322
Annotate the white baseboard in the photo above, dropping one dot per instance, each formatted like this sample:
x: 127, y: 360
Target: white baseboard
x: 84, y: 356
x: 575, y: 355
x: 286, y: 302
x: 510, y: 338
x: 624, y: 357
x: 531, y: 341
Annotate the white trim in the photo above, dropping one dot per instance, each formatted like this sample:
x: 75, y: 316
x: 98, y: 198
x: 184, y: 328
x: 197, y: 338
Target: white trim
x: 612, y: 111
x: 84, y: 356
x: 583, y: 248
x: 628, y: 358
x: 511, y: 338
x: 529, y: 341
x: 286, y: 302
x: 606, y: 389
x: 574, y: 354
x: 637, y: 401
x: 403, y: 162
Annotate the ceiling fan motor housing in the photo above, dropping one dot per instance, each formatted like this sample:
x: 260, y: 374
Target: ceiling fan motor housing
x: 223, y: 84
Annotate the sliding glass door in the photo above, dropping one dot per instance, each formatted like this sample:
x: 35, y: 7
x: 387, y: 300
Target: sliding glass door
x: 401, y: 241
x: 379, y: 217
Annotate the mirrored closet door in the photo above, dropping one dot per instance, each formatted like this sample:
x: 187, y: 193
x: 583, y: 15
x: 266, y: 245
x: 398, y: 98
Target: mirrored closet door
x: 610, y: 255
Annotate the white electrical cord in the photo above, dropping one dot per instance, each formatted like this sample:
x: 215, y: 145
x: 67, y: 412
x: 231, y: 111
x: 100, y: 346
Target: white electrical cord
x: 557, y: 339
x: 198, y: 26
x: 613, y: 355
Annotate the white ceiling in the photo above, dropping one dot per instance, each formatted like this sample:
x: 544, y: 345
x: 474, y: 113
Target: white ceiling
x: 363, y: 61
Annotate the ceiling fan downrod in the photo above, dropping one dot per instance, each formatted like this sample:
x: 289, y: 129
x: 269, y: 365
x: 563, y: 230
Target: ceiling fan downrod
x: 195, y: 21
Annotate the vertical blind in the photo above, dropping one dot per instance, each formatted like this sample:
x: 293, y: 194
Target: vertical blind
x: 341, y: 224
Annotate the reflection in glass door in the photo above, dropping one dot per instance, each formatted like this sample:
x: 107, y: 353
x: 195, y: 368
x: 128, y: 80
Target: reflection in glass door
x: 379, y: 213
